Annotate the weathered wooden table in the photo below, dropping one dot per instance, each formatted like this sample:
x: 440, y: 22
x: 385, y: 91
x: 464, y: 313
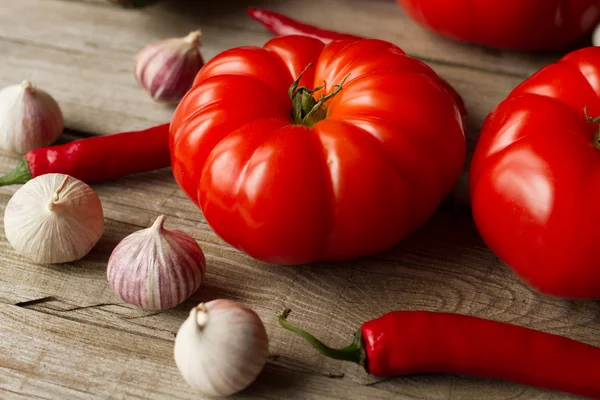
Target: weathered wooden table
x: 64, y: 334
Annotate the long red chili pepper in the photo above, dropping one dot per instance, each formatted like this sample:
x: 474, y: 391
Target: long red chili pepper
x: 97, y: 158
x: 280, y: 25
x: 409, y: 342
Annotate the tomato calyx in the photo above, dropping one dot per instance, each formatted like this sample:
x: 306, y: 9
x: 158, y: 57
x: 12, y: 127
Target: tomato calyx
x: 595, y: 121
x: 305, y: 109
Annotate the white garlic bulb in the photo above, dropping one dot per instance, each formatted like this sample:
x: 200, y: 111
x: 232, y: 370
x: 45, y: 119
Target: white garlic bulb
x: 167, y: 68
x: 29, y: 118
x: 54, y: 218
x: 596, y: 36
x: 156, y: 268
x: 221, y: 348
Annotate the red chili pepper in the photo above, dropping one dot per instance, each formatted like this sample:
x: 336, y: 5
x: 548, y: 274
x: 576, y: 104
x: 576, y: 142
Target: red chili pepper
x: 280, y: 25
x: 97, y: 158
x: 410, y: 342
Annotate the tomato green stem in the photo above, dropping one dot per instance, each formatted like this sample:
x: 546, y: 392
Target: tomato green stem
x: 306, y: 110
x: 21, y: 174
x: 294, y: 87
x: 595, y: 120
x: 353, y: 352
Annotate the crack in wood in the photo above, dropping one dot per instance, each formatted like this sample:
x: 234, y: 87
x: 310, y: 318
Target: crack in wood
x: 379, y: 381
x: 143, y: 316
x: 34, y: 302
x: 49, y: 299
x: 99, y: 305
x: 56, y: 313
x: 38, y: 305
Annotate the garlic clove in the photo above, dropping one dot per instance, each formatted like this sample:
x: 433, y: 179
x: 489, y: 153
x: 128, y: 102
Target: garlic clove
x: 29, y: 118
x: 54, y: 218
x: 156, y: 268
x: 166, y: 69
x: 221, y: 347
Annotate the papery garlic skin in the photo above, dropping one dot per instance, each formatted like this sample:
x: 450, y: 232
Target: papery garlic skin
x: 167, y: 68
x: 156, y: 268
x: 221, y: 348
x: 54, y: 218
x: 29, y: 118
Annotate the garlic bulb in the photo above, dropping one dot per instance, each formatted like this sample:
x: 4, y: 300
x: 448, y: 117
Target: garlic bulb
x: 596, y: 36
x: 221, y: 348
x: 54, y: 218
x: 156, y: 268
x: 29, y: 118
x: 167, y: 68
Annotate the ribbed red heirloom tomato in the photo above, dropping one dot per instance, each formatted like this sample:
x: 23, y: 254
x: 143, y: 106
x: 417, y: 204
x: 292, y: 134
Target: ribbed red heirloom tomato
x: 535, y: 178
x: 297, y: 182
x: 509, y: 24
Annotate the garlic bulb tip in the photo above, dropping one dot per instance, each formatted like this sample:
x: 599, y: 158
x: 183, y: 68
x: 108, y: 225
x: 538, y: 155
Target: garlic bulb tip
x: 201, y: 315
x: 159, y: 223
x: 193, y: 38
x: 27, y: 85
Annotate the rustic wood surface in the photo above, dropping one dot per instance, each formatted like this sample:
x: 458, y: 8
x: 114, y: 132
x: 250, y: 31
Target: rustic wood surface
x: 65, y: 335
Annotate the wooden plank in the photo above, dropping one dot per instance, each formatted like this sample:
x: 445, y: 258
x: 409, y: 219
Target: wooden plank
x: 382, y: 19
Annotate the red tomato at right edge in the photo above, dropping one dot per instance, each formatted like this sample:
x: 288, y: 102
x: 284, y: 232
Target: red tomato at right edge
x: 507, y: 24
x: 535, y: 178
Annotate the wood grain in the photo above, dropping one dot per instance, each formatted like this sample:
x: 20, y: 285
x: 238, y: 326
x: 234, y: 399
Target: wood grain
x: 65, y: 334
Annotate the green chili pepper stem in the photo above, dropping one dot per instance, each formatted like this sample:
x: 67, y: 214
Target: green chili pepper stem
x: 20, y: 174
x: 353, y: 352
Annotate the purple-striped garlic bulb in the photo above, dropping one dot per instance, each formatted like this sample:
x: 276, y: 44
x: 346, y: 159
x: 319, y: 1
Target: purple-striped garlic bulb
x: 156, y: 268
x: 166, y: 69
